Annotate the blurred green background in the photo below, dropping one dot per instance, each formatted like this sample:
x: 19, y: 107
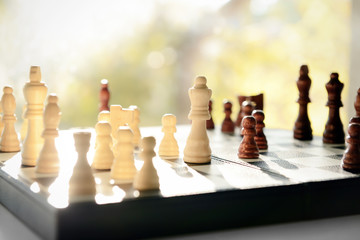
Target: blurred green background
x: 151, y: 51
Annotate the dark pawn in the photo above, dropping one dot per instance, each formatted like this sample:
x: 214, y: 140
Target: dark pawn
x: 210, y: 123
x: 351, y: 158
x: 334, y: 132
x: 260, y: 138
x: 248, y: 148
x: 355, y: 119
x: 228, y: 126
x: 104, y: 96
x: 302, y: 128
x: 357, y: 103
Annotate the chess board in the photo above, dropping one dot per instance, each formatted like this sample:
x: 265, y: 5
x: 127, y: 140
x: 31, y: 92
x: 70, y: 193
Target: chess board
x: 292, y: 180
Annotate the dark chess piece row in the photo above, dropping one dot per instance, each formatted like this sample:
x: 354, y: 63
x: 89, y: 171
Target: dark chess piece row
x: 333, y: 133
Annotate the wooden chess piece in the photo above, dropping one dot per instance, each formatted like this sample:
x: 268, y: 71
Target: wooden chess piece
x: 123, y: 167
x: 247, y: 108
x: 197, y: 148
x: 9, y: 138
x: 168, y: 148
x: 103, y: 157
x: 334, y: 132
x: 24, y: 125
x: 35, y: 93
x: 82, y: 181
x: 355, y: 119
x: 227, y: 126
x: 104, y: 96
x: 48, y: 161
x: 357, y: 103
x: 147, y: 178
x: 248, y: 148
x: 1, y: 120
x: 120, y: 116
x: 260, y: 138
x: 210, y: 123
x: 104, y: 116
x: 302, y: 128
x: 258, y: 102
x: 134, y: 125
x: 351, y: 158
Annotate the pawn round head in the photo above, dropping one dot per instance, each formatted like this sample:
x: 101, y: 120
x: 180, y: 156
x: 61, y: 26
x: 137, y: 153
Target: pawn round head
x: 103, y: 128
x: 258, y: 115
x: 124, y: 134
x: 52, y: 98
x: 304, y: 70
x: 248, y: 122
x: 168, y: 120
x: 8, y: 90
x: 200, y: 82
x: 148, y: 143
x: 355, y: 119
x: 104, y: 116
x: 354, y: 130
x: 227, y: 104
x: 334, y: 75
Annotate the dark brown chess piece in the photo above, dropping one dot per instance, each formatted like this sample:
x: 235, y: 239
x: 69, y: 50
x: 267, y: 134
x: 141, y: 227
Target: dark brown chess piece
x: 355, y: 119
x: 228, y: 125
x: 351, y: 158
x: 357, y: 103
x: 302, y: 128
x: 248, y: 148
x: 210, y: 123
x: 334, y: 132
x: 260, y: 138
x: 104, y: 96
x: 257, y: 99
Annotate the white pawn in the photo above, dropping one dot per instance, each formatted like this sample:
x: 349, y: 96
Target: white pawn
x: 147, y: 178
x: 197, y: 148
x: 35, y: 93
x: 104, y: 116
x: 169, y: 148
x: 82, y: 180
x: 103, y: 157
x: 9, y: 139
x: 134, y: 125
x: 48, y: 161
x: 124, y: 166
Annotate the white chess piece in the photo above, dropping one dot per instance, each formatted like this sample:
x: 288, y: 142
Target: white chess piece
x: 35, y: 93
x: 124, y: 166
x: 134, y: 125
x: 48, y: 161
x: 9, y: 139
x: 169, y: 148
x: 147, y: 178
x: 197, y: 148
x: 103, y: 157
x: 24, y: 125
x: 104, y: 116
x: 120, y: 116
x: 1, y: 121
x: 82, y: 180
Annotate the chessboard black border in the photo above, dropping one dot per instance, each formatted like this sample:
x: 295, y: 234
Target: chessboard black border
x: 156, y: 216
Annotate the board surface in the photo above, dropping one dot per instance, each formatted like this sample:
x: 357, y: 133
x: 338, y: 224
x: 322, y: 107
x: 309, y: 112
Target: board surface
x: 292, y: 180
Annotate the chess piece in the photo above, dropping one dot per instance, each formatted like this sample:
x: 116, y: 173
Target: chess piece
x: 168, y: 148
x: 246, y: 109
x: 123, y: 167
x: 24, y: 125
x: 35, y: 93
x: 355, y: 119
x: 103, y: 157
x: 48, y: 161
x: 197, y: 148
x: 334, y: 132
x: 260, y: 138
x: 134, y: 125
x: 104, y: 96
x: 351, y: 158
x: 120, y: 116
x: 147, y: 178
x: 248, y: 148
x: 227, y: 126
x: 1, y: 120
x: 302, y: 128
x: 258, y: 103
x: 210, y: 123
x: 9, y: 138
x: 104, y: 116
x: 357, y: 103
x: 82, y: 180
